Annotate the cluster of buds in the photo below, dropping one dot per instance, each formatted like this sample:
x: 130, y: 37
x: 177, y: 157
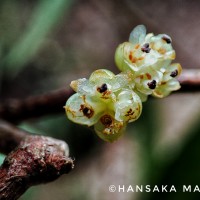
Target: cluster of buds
x: 108, y: 101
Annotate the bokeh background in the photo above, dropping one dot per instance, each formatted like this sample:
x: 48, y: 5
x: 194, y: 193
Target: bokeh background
x: 44, y: 45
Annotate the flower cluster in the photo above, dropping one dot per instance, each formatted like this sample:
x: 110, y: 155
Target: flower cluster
x: 105, y: 102
x: 108, y: 101
x: 149, y: 58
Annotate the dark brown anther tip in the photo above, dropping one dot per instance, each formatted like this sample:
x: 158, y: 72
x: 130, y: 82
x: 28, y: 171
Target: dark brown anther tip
x: 103, y: 88
x: 167, y: 39
x: 145, y: 48
x: 152, y: 84
x: 174, y: 73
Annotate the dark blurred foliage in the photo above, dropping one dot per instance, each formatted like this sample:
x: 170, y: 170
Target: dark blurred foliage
x: 46, y: 44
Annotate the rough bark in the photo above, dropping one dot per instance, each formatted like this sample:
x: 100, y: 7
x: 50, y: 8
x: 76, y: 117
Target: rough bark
x: 33, y: 160
x: 10, y: 137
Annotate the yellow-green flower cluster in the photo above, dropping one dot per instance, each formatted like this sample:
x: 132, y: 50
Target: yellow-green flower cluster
x: 149, y: 58
x: 105, y: 102
x: 108, y: 101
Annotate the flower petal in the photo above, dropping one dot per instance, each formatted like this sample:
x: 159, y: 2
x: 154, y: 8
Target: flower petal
x: 162, y: 44
x: 82, y: 86
x: 101, y: 75
x: 83, y: 109
x: 121, y: 55
x: 122, y: 80
x: 172, y: 71
x: 166, y: 88
x: 138, y: 34
x: 109, y: 129
x: 147, y: 80
x: 128, y: 107
x: 143, y: 97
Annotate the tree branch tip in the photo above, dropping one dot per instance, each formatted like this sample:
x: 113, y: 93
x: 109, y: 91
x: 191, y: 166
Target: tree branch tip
x: 37, y: 160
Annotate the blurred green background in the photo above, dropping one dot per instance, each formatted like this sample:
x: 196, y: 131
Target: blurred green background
x: 44, y: 45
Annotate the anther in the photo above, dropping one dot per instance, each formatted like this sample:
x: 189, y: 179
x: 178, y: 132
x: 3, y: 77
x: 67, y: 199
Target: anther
x: 174, y: 73
x: 145, y: 48
x: 152, y: 84
x: 103, y: 88
x: 88, y: 112
x: 167, y: 39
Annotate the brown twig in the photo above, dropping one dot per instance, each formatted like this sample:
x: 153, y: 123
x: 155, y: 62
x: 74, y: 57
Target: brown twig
x: 10, y: 137
x: 16, y: 110
x: 190, y: 80
x: 36, y: 160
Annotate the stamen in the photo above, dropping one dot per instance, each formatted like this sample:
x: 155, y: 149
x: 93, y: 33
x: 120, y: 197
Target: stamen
x: 145, y: 48
x: 106, y: 120
x: 167, y: 39
x: 174, y: 73
x: 152, y: 84
x: 88, y: 112
x: 103, y: 88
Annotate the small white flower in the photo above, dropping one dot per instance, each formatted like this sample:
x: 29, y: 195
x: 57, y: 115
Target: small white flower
x: 108, y: 128
x: 84, y: 109
x: 128, y: 107
x: 144, y: 50
x: 149, y: 58
x: 169, y: 82
x: 147, y: 80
